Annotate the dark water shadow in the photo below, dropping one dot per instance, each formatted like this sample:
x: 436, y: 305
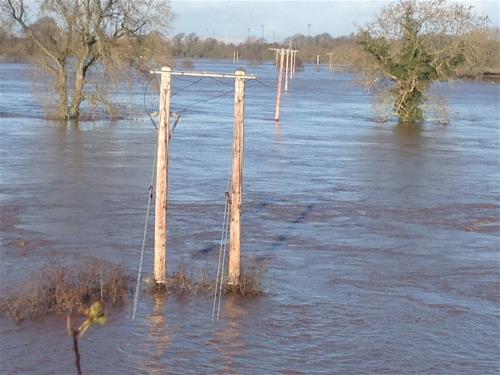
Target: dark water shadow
x: 300, y: 218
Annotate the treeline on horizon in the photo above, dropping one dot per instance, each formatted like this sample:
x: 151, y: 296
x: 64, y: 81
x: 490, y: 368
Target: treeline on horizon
x: 482, y: 59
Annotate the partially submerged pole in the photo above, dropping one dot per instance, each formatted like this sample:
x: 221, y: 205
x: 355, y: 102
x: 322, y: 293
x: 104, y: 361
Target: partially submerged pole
x: 280, y: 83
x: 237, y: 179
x: 330, y: 54
x: 286, y: 69
x: 160, y: 247
x: 294, y: 62
x: 276, y: 53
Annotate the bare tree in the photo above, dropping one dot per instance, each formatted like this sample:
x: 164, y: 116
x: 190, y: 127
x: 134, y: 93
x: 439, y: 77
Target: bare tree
x: 414, y: 43
x: 75, y: 36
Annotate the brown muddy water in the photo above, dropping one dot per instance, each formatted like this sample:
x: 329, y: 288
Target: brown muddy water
x: 381, y: 242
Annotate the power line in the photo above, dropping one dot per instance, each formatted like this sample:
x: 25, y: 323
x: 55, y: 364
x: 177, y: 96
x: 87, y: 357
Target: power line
x: 145, y: 106
x: 184, y: 110
x: 187, y: 86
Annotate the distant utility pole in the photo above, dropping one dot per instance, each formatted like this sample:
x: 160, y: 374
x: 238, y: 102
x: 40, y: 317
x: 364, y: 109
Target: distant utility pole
x: 286, y: 69
x: 308, y: 29
x: 277, y: 51
x: 280, y: 83
x: 294, y: 57
x: 288, y: 55
x: 248, y: 33
x: 262, y: 31
x: 330, y: 54
x: 292, y: 63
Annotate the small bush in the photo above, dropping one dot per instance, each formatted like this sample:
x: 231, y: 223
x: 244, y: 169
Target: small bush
x: 61, y: 289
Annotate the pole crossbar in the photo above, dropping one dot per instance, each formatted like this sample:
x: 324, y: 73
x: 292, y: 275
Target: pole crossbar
x: 285, y: 49
x: 204, y: 74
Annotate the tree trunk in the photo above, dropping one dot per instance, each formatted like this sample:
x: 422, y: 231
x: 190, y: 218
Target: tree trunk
x: 61, y: 86
x: 74, y: 111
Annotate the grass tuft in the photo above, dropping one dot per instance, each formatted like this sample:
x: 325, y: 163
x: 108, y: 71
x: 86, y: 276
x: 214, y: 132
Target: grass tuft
x: 182, y: 283
x: 250, y: 282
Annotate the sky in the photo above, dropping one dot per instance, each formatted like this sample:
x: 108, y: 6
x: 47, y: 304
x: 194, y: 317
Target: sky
x: 235, y: 20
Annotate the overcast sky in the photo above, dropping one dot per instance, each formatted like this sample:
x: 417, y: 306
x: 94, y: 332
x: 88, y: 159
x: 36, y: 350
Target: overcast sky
x: 234, y: 20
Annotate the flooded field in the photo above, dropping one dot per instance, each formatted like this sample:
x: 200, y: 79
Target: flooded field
x: 381, y: 242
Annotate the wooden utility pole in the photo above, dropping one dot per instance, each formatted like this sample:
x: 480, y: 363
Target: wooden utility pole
x: 330, y: 54
x: 286, y: 69
x: 280, y: 83
x: 276, y: 52
x: 161, y: 228
x: 236, y: 56
x: 160, y: 255
x: 293, y: 54
x: 237, y: 179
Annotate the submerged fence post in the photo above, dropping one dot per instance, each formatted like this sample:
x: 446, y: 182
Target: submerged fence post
x: 280, y: 83
x: 161, y: 228
x: 237, y: 179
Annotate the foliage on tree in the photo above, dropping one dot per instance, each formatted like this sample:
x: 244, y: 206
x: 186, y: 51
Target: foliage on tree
x: 75, y: 38
x: 414, y: 43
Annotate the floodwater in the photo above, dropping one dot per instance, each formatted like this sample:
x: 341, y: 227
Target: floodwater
x: 381, y: 242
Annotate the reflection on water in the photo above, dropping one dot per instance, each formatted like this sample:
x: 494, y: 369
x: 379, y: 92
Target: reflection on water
x: 408, y: 136
x: 159, y: 339
x: 381, y: 240
x: 228, y: 340
x: 277, y: 130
